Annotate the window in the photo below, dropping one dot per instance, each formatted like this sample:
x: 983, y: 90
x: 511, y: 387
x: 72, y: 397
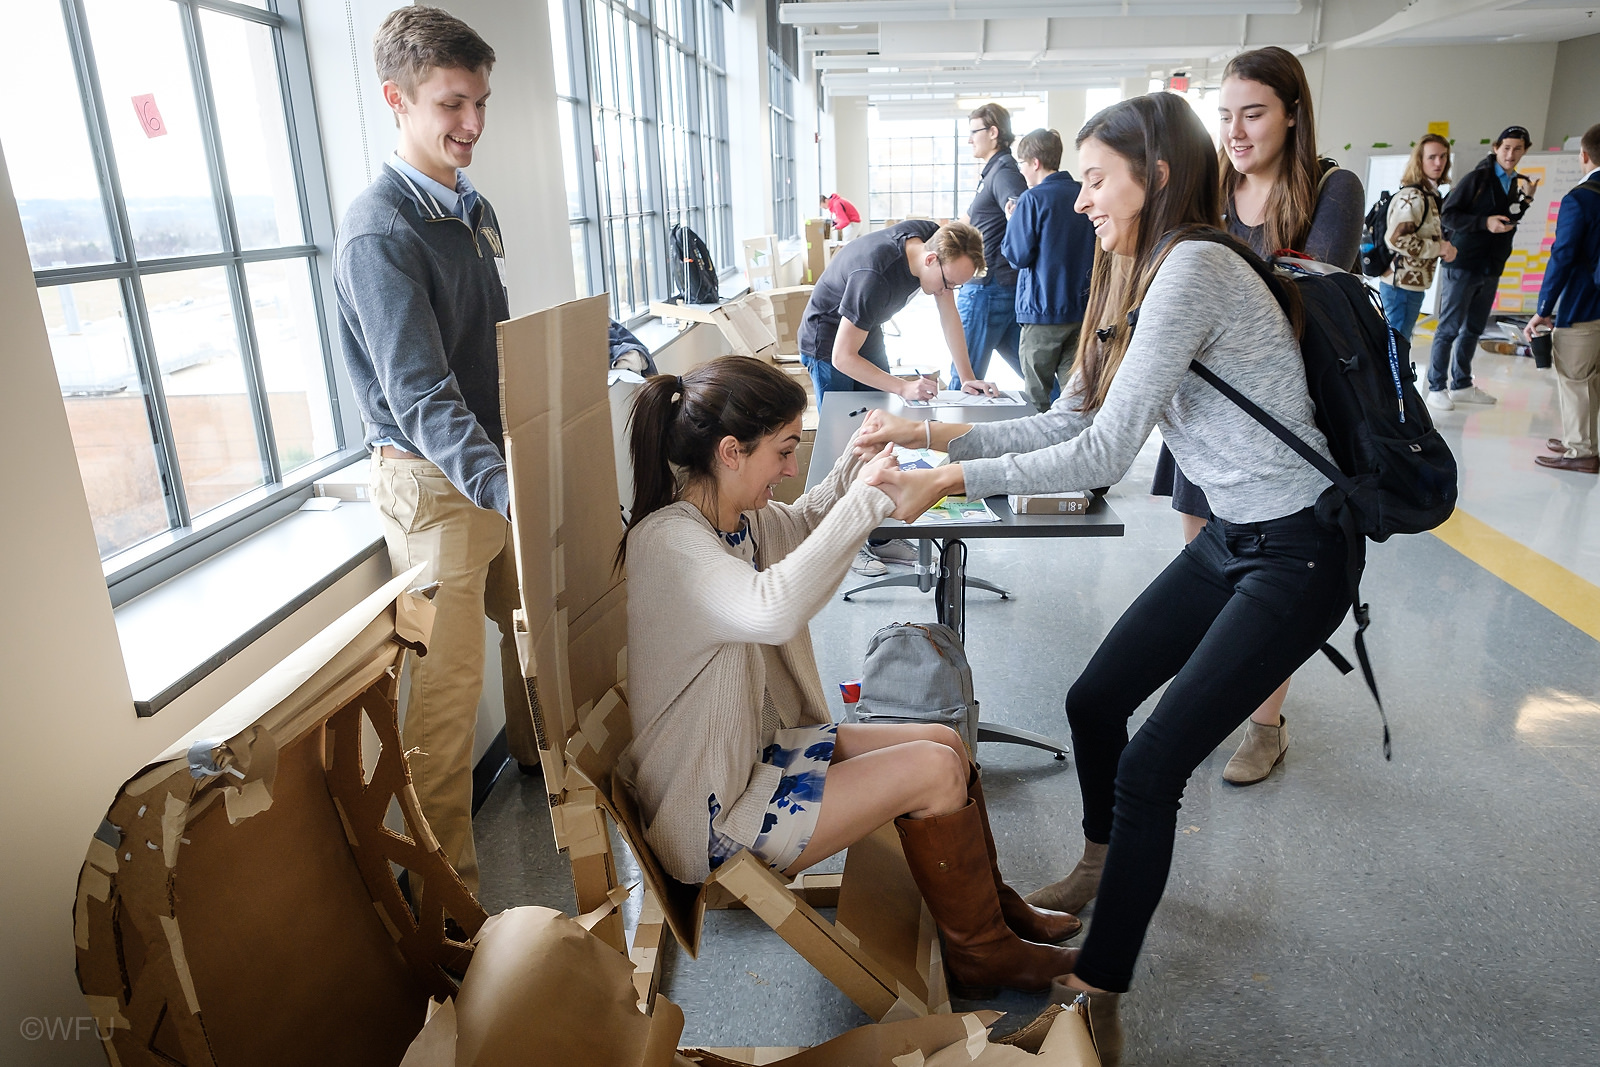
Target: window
x: 785, y: 211
x: 170, y: 223
x: 576, y: 145
x: 656, y: 93
x: 923, y: 167
x: 918, y: 167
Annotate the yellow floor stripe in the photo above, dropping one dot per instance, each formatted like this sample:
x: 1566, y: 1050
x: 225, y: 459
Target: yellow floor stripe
x: 1520, y: 567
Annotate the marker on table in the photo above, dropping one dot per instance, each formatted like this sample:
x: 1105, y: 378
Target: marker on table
x: 857, y: 411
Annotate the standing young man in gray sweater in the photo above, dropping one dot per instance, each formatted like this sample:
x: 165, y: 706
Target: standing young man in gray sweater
x: 420, y: 273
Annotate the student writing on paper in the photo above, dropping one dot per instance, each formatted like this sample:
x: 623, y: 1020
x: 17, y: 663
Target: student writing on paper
x: 1248, y: 600
x: 733, y: 748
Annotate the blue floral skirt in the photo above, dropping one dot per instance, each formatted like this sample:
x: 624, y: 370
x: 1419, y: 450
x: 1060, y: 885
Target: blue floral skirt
x: 804, y: 754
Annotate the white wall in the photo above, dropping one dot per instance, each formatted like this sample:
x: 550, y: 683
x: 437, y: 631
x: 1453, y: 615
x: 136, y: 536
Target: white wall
x: 1064, y: 113
x: 850, y: 151
x: 749, y: 130
x: 1574, y: 98
x: 1365, y: 95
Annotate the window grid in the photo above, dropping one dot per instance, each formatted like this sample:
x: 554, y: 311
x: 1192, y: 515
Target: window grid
x: 659, y: 125
x: 780, y: 98
x: 187, y: 501
x: 919, y: 168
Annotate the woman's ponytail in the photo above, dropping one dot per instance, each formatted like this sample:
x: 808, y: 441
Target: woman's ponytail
x: 677, y: 423
x: 655, y: 406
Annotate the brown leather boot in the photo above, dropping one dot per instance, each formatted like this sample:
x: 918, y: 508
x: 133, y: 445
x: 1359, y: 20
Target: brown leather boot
x: 1073, y: 893
x: 950, y: 863
x: 1026, y: 921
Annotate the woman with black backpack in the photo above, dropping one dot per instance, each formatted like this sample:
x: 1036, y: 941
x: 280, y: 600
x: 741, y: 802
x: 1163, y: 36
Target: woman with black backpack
x: 1415, y: 233
x: 1248, y: 600
x: 1276, y: 194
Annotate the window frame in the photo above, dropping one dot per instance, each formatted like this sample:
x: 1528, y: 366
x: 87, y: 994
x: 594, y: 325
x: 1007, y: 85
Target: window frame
x: 781, y: 85
x: 189, y: 539
x: 635, y: 100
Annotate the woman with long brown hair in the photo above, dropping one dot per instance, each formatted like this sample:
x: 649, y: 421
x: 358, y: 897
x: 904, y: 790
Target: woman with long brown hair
x: 1277, y: 194
x: 1244, y: 603
x: 1413, y: 230
x: 732, y: 745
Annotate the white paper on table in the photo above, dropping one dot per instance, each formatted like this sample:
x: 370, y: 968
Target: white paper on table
x: 956, y: 398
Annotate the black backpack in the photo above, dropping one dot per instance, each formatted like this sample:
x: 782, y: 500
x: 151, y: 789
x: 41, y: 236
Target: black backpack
x: 693, y: 273
x: 1376, y: 255
x: 1393, y: 473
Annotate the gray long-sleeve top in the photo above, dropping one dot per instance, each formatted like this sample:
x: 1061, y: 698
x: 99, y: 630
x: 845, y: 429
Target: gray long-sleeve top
x: 1335, y: 234
x: 1205, y: 303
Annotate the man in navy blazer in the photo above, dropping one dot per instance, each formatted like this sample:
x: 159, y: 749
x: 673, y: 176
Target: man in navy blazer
x: 1569, y: 300
x: 1052, y: 247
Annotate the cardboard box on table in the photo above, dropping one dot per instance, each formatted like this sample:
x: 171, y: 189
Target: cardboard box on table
x: 882, y: 950
x: 239, y: 904
x: 818, y: 233
x: 738, y: 320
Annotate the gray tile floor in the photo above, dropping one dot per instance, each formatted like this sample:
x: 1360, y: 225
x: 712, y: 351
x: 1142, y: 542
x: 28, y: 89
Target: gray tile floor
x: 1442, y: 908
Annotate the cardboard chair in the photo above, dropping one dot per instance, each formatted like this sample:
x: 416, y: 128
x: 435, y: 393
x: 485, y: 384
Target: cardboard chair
x: 883, y: 949
x: 239, y: 903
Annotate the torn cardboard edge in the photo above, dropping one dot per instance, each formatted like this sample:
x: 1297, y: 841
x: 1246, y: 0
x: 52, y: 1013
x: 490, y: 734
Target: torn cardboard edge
x: 541, y: 986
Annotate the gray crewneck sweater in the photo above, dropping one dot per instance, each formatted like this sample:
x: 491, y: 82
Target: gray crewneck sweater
x: 1205, y: 303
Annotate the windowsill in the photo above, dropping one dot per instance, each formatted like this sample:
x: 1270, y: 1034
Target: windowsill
x: 188, y: 626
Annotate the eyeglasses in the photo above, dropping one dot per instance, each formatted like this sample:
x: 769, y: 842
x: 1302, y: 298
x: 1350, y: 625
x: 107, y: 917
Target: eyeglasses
x: 947, y: 286
x: 974, y: 131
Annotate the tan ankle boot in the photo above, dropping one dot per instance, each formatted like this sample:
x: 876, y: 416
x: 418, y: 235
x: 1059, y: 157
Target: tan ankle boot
x: 1261, y: 750
x: 1102, y: 1012
x: 1026, y: 921
x: 948, y: 859
x: 1073, y: 893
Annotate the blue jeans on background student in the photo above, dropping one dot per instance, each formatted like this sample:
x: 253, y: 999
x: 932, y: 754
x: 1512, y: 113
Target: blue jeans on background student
x: 1465, y: 300
x: 989, y: 319
x: 828, y: 379
x: 1401, y: 307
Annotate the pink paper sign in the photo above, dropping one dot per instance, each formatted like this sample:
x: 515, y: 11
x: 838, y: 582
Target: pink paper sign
x: 150, y: 119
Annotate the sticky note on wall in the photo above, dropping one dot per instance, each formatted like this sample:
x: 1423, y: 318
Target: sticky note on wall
x: 150, y: 120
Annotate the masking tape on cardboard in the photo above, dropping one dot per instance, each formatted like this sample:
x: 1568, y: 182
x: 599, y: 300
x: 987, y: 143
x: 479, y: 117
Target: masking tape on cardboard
x: 558, y: 569
x: 977, y: 1036
x: 848, y: 934
x: 622, y: 662
x: 914, y: 1058
x: 92, y: 883
x: 102, y: 856
x: 592, y: 722
x: 908, y: 997
x: 900, y: 1011
x: 252, y: 798
x: 555, y: 771
x: 590, y: 838
x: 172, y: 825
x: 180, y: 963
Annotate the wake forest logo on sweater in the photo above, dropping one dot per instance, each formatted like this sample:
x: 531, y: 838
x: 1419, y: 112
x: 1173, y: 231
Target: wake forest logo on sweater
x: 492, y: 235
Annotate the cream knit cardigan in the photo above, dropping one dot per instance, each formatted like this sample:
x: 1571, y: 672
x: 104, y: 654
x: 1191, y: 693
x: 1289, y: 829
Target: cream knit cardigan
x: 719, y: 656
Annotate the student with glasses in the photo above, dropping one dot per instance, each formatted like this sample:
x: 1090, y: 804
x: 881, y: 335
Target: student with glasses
x: 988, y: 307
x: 867, y: 282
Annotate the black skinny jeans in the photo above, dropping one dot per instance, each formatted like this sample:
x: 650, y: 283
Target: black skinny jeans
x: 1241, y: 607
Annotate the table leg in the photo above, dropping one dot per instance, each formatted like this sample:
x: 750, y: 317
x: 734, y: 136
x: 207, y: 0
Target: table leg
x: 952, y: 607
x: 921, y: 577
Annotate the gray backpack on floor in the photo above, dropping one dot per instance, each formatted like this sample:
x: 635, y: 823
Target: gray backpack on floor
x: 918, y: 672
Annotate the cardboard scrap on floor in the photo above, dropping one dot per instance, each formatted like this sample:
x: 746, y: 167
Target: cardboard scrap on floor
x: 542, y: 989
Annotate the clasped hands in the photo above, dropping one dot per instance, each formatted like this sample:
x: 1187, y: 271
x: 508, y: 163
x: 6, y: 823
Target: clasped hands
x: 913, y: 491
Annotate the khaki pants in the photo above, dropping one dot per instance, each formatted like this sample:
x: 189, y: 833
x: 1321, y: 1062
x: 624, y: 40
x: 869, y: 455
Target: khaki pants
x: 1047, y: 352
x: 1575, y: 354
x: 468, y: 551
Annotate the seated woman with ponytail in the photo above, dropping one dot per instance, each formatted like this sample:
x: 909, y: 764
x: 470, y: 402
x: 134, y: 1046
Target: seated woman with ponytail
x: 732, y: 744
x: 1248, y: 600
